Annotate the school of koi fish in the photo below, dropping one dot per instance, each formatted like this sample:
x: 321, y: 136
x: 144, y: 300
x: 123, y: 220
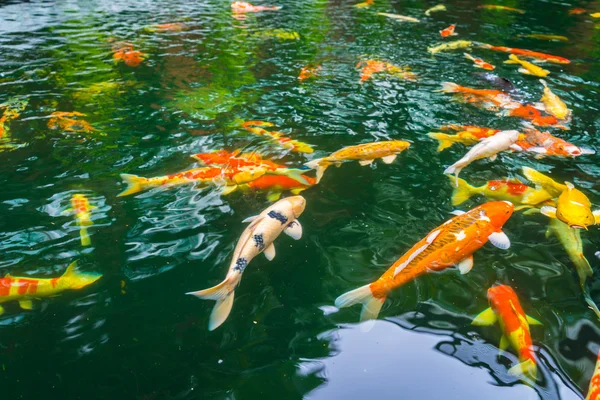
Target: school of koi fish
x: 545, y: 125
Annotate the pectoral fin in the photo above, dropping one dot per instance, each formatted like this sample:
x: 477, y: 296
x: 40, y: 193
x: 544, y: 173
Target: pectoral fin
x: 274, y: 196
x: 493, y: 157
x: 504, y: 343
x: 457, y: 212
x: 270, y: 252
x: 465, y: 265
x: 389, y: 159
x: 250, y: 219
x: 486, y: 317
x: 548, y: 211
x: 365, y: 162
x: 596, y: 216
x: 294, y: 230
x: 228, y: 190
x: 500, y: 240
x: 533, y: 321
x: 26, y: 304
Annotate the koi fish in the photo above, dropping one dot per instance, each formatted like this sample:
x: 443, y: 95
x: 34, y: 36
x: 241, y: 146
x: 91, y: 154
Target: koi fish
x: 542, y: 36
x: 365, y: 154
x: 23, y: 289
x: 276, y: 185
x: 371, y: 67
x: 527, y: 53
x: 241, y: 7
x: 508, y: 189
x: 398, y: 17
x: 235, y: 160
x: 60, y: 120
x: 168, y: 27
x: 365, y: 4
x: 553, y: 105
x: 278, y: 137
x: 594, y: 389
x: 501, y: 8
x: 479, y: 63
x: 81, y: 208
x: 506, y: 310
x: 457, y: 44
x: 577, y: 11
x: 543, y: 181
x: 449, y: 31
x: 526, y: 67
x: 488, y: 147
x: 309, y: 72
x: 467, y: 135
x: 439, y: 7
x: 127, y: 54
x: 530, y: 113
x: 488, y: 98
x: 12, y: 110
x: 545, y: 144
x: 257, y: 238
x: 452, y: 243
x: 595, y: 15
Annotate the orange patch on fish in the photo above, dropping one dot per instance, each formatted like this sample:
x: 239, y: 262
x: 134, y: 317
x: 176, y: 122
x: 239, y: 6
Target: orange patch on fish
x: 449, y: 31
x: 63, y: 121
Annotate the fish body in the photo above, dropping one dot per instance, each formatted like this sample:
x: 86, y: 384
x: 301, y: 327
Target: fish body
x: 128, y: 55
x: 457, y: 44
x: 506, y: 189
x: 488, y: 98
x: 235, y: 160
x: 12, y: 110
x: 545, y: 144
x: 527, y: 53
x: 452, y: 243
x: 365, y: 154
x: 542, y: 36
x: 439, y: 7
x: 241, y: 7
x: 309, y: 72
x: 595, y: 15
x: 276, y: 185
x: 570, y: 239
x: 168, y: 27
x: 467, y: 135
x: 544, y: 181
x: 502, y: 83
x: 527, y: 67
x: 553, y: 104
x: 577, y: 11
x: 63, y: 120
x: 449, y: 31
x: 530, y: 113
x: 293, y: 145
x: 365, y: 4
x: 505, y: 309
x: 82, y: 210
x: 501, y: 8
x: 594, y: 389
x: 257, y: 238
x: 573, y: 208
x: 488, y: 147
x: 23, y: 289
x: 370, y: 67
x: 479, y: 63
x: 398, y: 17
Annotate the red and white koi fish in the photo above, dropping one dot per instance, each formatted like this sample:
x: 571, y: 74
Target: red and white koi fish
x: 241, y: 7
x: 449, y: 31
x: 236, y: 160
x: 545, y: 144
x: 526, y: 53
x: 80, y: 206
x: 278, y: 137
x: 488, y: 98
x: 257, y: 238
x: 23, y: 289
x: 506, y: 310
x: 479, y: 63
x: 452, y: 243
x: 275, y: 185
x: 530, y: 113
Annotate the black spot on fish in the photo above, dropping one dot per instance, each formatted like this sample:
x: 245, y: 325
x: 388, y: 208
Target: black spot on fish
x: 259, y: 241
x: 278, y: 216
x: 240, y: 265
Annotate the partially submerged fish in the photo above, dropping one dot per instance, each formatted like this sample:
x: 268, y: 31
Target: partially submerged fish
x: 594, y: 389
x: 80, y: 206
x: 450, y: 244
x: 398, y: 17
x: 488, y: 147
x: 488, y: 98
x: 505, y: 309
x: 526, y: 53
x: 508, y: 189
x: 545, y: 144
x: 479, y: 63
x: 241, y: 7
x: 526, y: 67
x: 553, y: 105
x: 235, y: 159
x: 12, y: 110
x: 309, y: 72
x: 577, y: 11
x: 457, y: 44
x: 449, y: 31
x: 168, y: 27
x: 275, y: 185
x: 127, y: 54
x: 24, y: 289
x: 65, y: 122
x: 499, y: 82
x: 365, y: 4
x: 595, y: 15
x: 531, y: 113
x: 542, y: 36
x: 467, y: 135
x: 439, y: 7
x: 365, y: 154
x: 257, y: 238
x: 501, y: 8
x: 370, y: 67
x: 256, y: 127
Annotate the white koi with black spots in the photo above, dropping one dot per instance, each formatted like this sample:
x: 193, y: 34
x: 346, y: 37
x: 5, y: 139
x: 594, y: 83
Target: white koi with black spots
x: 257, y: 238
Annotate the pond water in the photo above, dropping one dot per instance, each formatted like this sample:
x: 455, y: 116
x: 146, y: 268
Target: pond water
x: 134, y: 334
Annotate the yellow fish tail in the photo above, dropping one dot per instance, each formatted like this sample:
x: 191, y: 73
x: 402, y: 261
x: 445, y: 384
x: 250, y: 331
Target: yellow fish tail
x: 223, y: 293
x: 554, y: 188
x: 526, y: 368
x: 371, y: 305
x: 134, y: 184
x: 512, y: 59
x: 462, y: 190
x: 445, y: 140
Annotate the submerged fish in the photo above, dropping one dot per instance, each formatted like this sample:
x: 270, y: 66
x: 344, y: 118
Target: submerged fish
x: 127, y: 54
x: 168, y: 27
x: 450, y: 244
x: 24, y: 289
x: 545, y: 144
x: 577, y: 11
x: 12, y: 110
x: 526, y: 53
x: 498, y: 81
x: 501, y: 8
x: 257, y: 238
x: 467, y: 135
x: 488, y: 98
x: 479, y: 63
x: 512, y: 190
x: 542, y: 36
x: 457, y: 44
x: 241, y: 7
x: 63, y: 120
x: 553, y: 105
x: 527, y: 67
x: 439, y: 7
x: 365, y: 4
x: 365, y: 154
x: 595, y: 15
x: 275, y: 185
x: 449, y: 31
x: 398, y: 17
x: 278, y: 137
x: 371, y: 67
x: 488, y: 147
x: 505, y: 309
x: 309, y: 72
x: 235, y: 159
x: 80, y: 206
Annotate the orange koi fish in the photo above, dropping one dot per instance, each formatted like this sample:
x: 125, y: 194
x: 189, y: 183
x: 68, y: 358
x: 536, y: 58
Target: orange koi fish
x: 276, y: 185
x: 23, y: 289
x: 508, y: 189
x: 12, y: 110
x: 309, y: 72
x: 577, y: 11
x: 241, y: 7
x: 467, y: 135
x: 526, y: 53
x: 501, y: 8
x: 452, y: 243
x: 127, y: 54
x: 545, y: 144
x: 278, y: 137
x: 488, y: 98
x: 449, y: 31
x: 506, y: 310
x: 594, y: 389
x: 169, y: 27
x: 479, y: 63
x: 60, y: 120
x: 365, y: 4
x: 530, y: 113
x: 81, y: 208
x: 235, y: 160
x: 371, y: 67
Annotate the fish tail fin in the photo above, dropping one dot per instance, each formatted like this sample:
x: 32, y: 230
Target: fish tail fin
x: 526, y: 368
x: 134, y: 184
x: 76, y: 279
x: 295, y: 174
x: 223, y: 294
x: 482, y: 45
x: 85, y: 237
x: 444, y: 139
x: 469, y: 57
x: 319, y: 165
x: 371, y: 305
x: 449, y: 87
x: 544, y: 181
x: 512, y: 59
x: 462, y: 190
x: 453, y: 170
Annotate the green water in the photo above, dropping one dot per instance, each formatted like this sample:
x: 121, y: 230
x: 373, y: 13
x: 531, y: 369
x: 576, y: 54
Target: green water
x: 136, y: 335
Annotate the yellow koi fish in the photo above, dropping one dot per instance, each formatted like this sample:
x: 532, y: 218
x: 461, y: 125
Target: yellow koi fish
x: 365, y: 154
x: 553, y: 105
x: 23, y: 289
x: 466, y: 135
x: 439, y: 7
x: 457, y: 44
x: 278, y: 137
x: 81, y: 208
x: 595, y: 15
x: 398, y: 17
x: 512, y: 190
x: 526, y: 67
x: 501, y: 8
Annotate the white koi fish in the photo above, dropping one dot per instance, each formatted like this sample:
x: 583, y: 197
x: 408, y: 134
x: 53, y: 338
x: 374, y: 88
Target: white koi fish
x: 257, y: 238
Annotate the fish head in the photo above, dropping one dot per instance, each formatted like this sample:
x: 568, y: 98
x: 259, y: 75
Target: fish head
x: 302, y: 148
x: 498, y: 212
x: 400, y: 145
x: 500, y: 294
x: 298, y: 203
x: 574, y: 208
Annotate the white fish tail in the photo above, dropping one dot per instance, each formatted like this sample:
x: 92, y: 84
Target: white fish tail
x: 449, y: 87
x: 371, y: 305
x: 223, y: 293
x: 319, y: 165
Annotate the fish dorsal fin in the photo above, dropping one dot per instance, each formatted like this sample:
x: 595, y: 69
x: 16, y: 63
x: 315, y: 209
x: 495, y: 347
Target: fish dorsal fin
x: 569, y: 186
x: 70, y: 269
x: 249, y: 219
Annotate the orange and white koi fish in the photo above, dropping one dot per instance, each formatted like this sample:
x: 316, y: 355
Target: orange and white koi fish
x: 489, y: 99
x: 275, y: 185
x: 553, y: 105
x: 545, y: 144
x: 452, y: 243
x: 526, y: 53
x: 577, y: 11
x: 80, y: 206
x: 457, y: 44
x: 309, y: 72
x: 257, y: 238
x: 449, y: 31
x: 62, y: 120
x: 127, y: 54
x: 24, y: 289
x: 594, y: 389
x: 398, y: 17
x: 501, y: 8
x: 479, y: 63
x: 506, y: 310
x: 278, y: 137
x: 530, y: 113
x: 527, y: 67
x: 365, y: 154
x: 488, y: 147
x: 371, y: 67
x: 509, y: 189
x: 467, y: 135
x: 439, y: 7
x: 241, y: 7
